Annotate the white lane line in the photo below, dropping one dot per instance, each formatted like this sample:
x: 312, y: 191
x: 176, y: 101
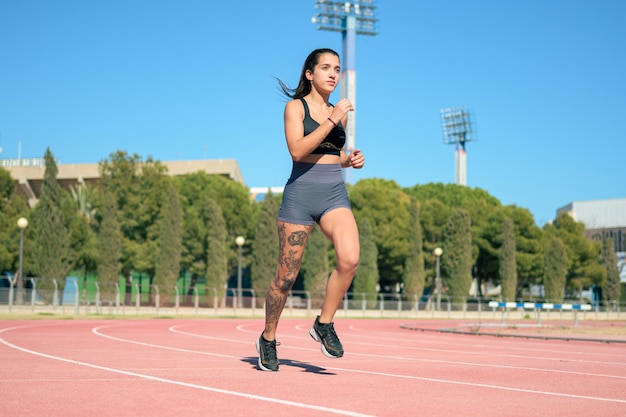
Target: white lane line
x: 241, y: 328
x: 174, y: 382
x: 443, y: 381
x: 438, y: 341
x: 474, y: 384
x: 174, y: 329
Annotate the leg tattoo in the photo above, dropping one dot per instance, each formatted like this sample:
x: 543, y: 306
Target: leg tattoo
x: 292, y: 240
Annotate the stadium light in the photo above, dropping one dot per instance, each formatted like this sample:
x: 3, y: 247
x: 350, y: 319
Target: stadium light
x: 457, y: 130
x: 351, y: 18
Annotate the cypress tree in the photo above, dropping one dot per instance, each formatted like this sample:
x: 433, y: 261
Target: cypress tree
x: 554, y: 269
x: 508, y: 265
x: 265, y: 247
x: 609, y: 258
x: 110, y: 248
x: 366, y: 277
x: 216, y: 256
x: 169, y: 244
x: 414, y: 275
x: 51, y: 242
x: 315, y: 265
x: 456, y: 260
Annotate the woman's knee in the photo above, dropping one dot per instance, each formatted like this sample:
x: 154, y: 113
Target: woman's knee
x: 348, y: 263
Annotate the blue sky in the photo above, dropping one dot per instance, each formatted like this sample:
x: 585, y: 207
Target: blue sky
x: 179, y: 80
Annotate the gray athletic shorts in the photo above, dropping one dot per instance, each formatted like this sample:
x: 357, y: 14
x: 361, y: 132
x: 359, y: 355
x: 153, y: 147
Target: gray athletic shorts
x: 312, y: 191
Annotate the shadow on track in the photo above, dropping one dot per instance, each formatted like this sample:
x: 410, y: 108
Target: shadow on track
x: 306, y: 367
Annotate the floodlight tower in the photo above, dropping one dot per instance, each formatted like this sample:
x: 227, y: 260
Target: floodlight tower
x: 351, y: 18
x: 457, y: 130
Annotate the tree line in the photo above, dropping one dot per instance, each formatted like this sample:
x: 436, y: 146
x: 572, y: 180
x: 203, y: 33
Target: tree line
x: 139, y: 219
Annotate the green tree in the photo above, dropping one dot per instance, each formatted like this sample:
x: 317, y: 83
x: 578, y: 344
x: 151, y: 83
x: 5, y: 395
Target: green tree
x: 414, y: 276
x: 609, y: 258
x: 7, y: 188
x: 82, y: 236
x: 366, y: 277
x: 120, y: 177
x: 457, y: 254
x: 265, y: 247
x: 195, y: 239
x: 555, y: 269
x: 529, y: 253
x: 433, y: 218
x: 437, y: 203
x: 216, y: 253
x: 52, y: 242
x: 139, y: 188
x: 315, y: 266
x: 83, y: 197
x: 386, y: 206
x: 240, y: 213
x: 12, y: 207
x: 584, y: 266
x: 110, y: 247
x: 508, y: 265
x: 169, y: 243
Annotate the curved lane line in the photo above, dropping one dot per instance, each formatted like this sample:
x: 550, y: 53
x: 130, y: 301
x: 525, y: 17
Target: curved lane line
x: 174, y: 382
x: 413, y: 359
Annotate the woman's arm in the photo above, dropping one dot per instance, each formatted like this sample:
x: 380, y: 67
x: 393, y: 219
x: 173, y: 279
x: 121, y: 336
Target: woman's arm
x: 299, y: 145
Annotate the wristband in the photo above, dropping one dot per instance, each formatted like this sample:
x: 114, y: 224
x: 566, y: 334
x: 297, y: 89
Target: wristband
x: 331, y: 120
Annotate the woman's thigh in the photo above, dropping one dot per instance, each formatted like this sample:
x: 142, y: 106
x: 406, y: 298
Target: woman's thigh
x: 292, y: 241
x: 340, y: 227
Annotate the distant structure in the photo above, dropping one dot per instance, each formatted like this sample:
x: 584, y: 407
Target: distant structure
x: 257, y: 192
x: 351, y: 18
x: 458, y: 130
x: 602, y: 218
x: 27, y: 173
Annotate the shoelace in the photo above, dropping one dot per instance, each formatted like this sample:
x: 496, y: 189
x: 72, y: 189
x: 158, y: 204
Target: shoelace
x: 271, y: 344
x: 329, y: 332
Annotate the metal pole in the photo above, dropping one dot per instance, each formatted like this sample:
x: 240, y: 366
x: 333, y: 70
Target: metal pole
x: 20, y: 274
x: 438, y: 284
x: 239, y: 294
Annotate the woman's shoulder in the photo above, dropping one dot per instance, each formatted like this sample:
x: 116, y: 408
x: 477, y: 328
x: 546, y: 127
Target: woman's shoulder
x: 295, y: 105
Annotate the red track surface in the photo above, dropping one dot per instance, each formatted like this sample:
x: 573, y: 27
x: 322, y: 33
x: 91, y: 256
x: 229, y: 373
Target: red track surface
x: 197, y: 367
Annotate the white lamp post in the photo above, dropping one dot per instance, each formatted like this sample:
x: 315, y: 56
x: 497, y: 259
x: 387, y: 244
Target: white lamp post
x: 239, y: 240
x: 22, y: 223
x: 437, y: 252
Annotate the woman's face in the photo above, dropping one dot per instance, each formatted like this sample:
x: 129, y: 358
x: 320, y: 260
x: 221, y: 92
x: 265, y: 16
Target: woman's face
x: 326, y: 74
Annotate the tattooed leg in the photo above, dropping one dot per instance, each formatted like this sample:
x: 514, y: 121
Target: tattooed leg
x: 291, y: 242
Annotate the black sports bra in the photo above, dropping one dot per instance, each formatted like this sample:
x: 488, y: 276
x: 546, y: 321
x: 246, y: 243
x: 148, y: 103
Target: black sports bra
x: 333, y: 143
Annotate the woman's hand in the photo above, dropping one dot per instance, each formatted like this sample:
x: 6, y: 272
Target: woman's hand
x: 356, y: 159
x: 340, y: 110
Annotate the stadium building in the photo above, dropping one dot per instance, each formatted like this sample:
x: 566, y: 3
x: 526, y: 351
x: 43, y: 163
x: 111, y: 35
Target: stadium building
x: 602, y: 218
x: 28, y: 173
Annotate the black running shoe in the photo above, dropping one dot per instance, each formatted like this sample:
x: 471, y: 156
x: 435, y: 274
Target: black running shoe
x: 325, y: 334
x: 268, y: 361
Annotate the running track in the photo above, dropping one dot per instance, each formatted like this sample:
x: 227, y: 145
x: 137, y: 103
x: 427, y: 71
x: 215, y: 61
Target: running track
x: 207, y: 367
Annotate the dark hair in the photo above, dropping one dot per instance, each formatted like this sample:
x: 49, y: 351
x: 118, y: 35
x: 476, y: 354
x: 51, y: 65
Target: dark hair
x: 304, y: 85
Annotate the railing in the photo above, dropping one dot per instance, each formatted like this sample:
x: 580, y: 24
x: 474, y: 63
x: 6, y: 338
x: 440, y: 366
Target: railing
x: 70, y: 297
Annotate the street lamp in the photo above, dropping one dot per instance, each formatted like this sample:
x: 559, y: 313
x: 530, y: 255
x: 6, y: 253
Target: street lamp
x: 239, y: 240
x: 22, y: 223
x: 437, y: 252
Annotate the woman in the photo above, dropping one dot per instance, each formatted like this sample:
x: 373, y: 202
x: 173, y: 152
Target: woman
x: 315, y: 193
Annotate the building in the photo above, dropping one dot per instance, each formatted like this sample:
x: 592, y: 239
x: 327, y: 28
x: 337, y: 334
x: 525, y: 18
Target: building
x: 28, y: 173
x: 602, y: 218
